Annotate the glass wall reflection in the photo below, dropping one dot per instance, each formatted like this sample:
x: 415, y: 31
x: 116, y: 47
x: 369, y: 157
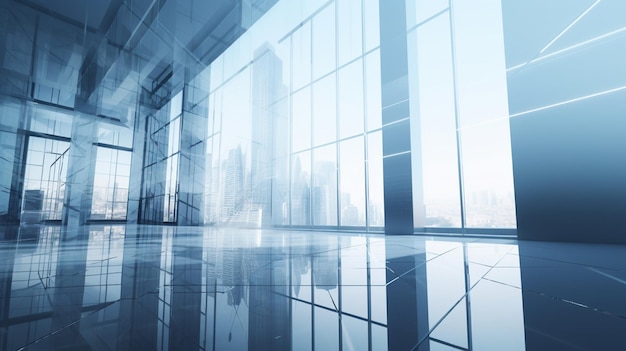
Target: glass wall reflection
x: 316, y: 85
x: 207, y: 289
x: 160, y: 183
x: 459, y: 107
x: 110, y: 192
x: 44, y: 180
x: 308, y: 89
x: 280, y: 128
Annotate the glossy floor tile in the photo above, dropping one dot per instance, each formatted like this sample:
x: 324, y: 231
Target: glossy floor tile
x: 190, y: 288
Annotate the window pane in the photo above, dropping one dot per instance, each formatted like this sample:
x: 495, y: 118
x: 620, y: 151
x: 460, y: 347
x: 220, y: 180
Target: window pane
x: 301, y: 120
x: 324, y: 42
x: 280, y: 192
x: 351, y: 101
x: 483, y: 115
x: 326, y: 329
x: 350, y: 42
x: 352, y: 170
x: 324, y: 111
x: 176, y: 105
x: 300, y: 189
x: 301, y: 54
x: 371, y: 24
x: 376, y: 205
x: 325, y: 185
x: 372, y: 90
x: 434, y: 134
x: 110, y: 194
x: 301, y: 328
x: 419, y: 11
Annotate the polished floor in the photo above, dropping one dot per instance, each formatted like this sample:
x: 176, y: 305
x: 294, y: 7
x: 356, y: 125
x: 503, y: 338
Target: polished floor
x: 181, y: 288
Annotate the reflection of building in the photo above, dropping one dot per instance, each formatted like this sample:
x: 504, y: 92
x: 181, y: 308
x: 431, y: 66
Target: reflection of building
x: 325, y: 269
x: 232, y: 190
x: 300, y: 267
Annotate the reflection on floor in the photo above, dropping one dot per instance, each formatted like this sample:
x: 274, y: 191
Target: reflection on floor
x: 180, y: 288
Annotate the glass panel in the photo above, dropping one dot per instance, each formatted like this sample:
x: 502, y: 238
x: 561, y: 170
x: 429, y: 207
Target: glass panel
x: 349, y: 31
x: 352, y: 182
x: 51, y: 122
x: 353, y: 332
x: 379, y: 338
x: 280, y: 192
x: 351, y: 100
x: 301, y: 120
x: 372, y: 90
x: 376, y: 205
x: 446, y: 279
x: 324, y: 42
x: 326, y: 329
x: 325, y: 185
x: 324, y: 111
x: 110, y: 186
x: 488, y: 176
x: 300, y: 189
x: 45, y: 177
x: 436, y: 139
x: 354, y: 276
x: 483, y: 116
x: 425, y: 10
x: 301, y: 56
x: 115, y: 135
x: 176, y: 105
x: 301, y: 328
x: 173, y: 144
x: 371, y: 24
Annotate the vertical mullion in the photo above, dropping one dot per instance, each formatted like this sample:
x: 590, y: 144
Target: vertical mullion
x: 311, y: 143
x: 456, y: 117
x: 369, y: 293
x: 337, y: 120
x: 339, y: 293
x: 365, y: 126
x: 312, y: 300
x: 468, y: 302
x: 290, y: 152
x: 338, y: 172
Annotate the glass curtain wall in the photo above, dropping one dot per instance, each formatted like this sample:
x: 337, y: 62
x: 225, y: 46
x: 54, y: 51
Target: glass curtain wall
x: 110, y: 192
x: 309, y: 90
x: 302, y: 96
x: 160, y: 172
x: 460, y: 138
x: 46, y: 150
x: 44, y: 180
x: 112, y: 172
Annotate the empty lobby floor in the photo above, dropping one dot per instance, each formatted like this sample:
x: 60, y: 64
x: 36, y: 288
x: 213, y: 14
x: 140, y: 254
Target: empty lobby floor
x: 128, y: 287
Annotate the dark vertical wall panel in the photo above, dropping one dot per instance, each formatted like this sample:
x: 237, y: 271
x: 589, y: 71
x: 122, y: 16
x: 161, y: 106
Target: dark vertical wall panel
x: 398, y: 196
x: 395, y: 108
x: 567, y: 100
x: 569, y: 164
